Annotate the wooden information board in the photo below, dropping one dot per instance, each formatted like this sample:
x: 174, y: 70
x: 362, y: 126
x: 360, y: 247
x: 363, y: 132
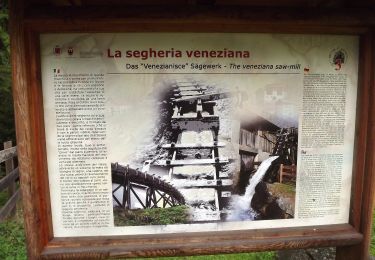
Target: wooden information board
x: 193, y: 129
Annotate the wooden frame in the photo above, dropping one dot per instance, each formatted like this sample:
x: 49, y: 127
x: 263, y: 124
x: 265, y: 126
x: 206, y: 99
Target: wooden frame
x: 352, y: 239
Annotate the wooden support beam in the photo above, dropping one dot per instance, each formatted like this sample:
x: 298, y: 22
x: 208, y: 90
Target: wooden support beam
x: 205, y: 97
x: 31, y: 147
x: 193, y: 145
x: 9, y: 167
x: 184, y: 183
x: 176, y: 111
x: 187, y: 117
x: 199, y: 88
x: 186, y: 84
x: 183, y: 94
x: 190, y: 162
x: 9, y: 206
x: 217, y: 203
x: 363, y: 189
x: 199, y: 108
x: 8, y: 153
x: 248, y: 149
x: 8, y: 179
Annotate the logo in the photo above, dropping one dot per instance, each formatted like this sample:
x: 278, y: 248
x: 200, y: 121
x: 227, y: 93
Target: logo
x: 57, y: 50
x: 338, y: 57
x: 70, y: 51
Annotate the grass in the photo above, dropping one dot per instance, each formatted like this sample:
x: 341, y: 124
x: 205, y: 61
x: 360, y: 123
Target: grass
x: 282, y: 190
x: 372, y: 243
x: 156, y: 216
x: 12, y: 238
x: 247, y: 256
x: 3, y: 197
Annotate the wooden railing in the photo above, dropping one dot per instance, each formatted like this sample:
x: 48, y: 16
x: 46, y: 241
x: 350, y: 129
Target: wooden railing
x: 287, y: 173
x: 9, y: 181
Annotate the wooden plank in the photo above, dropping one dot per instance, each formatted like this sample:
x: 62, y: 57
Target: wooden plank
x: 9, y: 167
x: 190, y: 162
x: 193, y: 145
x: 178, y: 96
x: 189, y: 89
x: 205, y: 97
x: 217, y: 204
x: 201, y: 243
x: 8, y: 179
x: 9, y: 206
x: 185, y: 183
x: 28, y: 109
x: 363, y: 188
x: 248, y: 149
x: 199, y: 108
x: 244, y: 3
x: 22, y: 113
x: 188, y: 94
x: 289, y: 20
x: 42, y: 202
x: 8, y: 154
x: 281, y: 173
x: 193, y: 118
x: 287, y: 171
x: 186, y: 84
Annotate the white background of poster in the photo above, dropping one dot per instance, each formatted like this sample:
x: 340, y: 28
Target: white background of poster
x: 131, y: 96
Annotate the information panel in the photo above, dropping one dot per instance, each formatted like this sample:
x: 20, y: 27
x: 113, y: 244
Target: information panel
x: 187, y: 132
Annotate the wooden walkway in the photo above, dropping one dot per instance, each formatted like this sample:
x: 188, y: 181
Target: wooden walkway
x: 193, y: 145
x: 195, y: 108
x: 192, y: 173
x: 191, y: 162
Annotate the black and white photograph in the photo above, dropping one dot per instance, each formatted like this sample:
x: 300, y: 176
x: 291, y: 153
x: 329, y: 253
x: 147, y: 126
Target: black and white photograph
x: 209, y: 158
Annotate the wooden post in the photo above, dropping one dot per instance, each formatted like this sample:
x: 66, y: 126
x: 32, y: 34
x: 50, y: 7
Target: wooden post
x: 281, y: 173
x: 29, y: 139
x: 9, y: 167
x: 364, y: 185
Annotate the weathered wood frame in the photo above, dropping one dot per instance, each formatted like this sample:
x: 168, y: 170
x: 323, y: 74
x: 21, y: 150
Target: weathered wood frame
x: 9, y: 180
x: 352, y: 239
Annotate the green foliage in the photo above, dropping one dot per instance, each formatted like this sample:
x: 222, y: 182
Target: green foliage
x: 12, y: 237
x: 4, y: 37
x: 372, y: 243
x: 284, y: 189
x: 247, y: 256
x: 12, y: 240
x: 156, y: 216
x: 3, y: 197
x: 7, y: 129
